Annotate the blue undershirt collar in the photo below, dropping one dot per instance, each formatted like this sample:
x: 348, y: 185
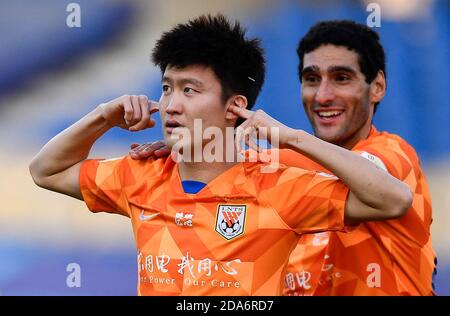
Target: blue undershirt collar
x: 192, y: 187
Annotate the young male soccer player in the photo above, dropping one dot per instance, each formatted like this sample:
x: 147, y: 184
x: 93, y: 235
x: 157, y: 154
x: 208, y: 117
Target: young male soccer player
x: 233, y: 235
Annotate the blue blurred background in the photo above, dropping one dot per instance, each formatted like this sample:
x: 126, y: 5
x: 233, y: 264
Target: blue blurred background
x: 51, y: 75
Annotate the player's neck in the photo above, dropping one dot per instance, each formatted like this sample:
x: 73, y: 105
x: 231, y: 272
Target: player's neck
x: 203, y: 171
x: 360, y: 135
x: 206, y: 168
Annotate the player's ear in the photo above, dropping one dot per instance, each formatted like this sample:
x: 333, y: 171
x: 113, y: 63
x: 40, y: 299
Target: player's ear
x: 378, y: 88
x: 236, y: 100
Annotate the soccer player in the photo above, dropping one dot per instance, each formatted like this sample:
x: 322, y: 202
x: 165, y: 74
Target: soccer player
x: 342, y: 68
x: 213, y: 227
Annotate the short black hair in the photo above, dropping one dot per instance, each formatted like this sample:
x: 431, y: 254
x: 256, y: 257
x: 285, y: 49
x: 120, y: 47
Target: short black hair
x: 354, y: 36
x: 213, y: 41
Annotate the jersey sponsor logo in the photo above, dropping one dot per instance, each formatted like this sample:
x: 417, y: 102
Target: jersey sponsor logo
x: 163, y: 270
x: 377, y: 161
x: 144, y: 217
x: 320, y: 239
x: 184, y: 219
x: 329, y: 278
x: 230, y: 220
x: 327, y: 266
x: 299, y: 279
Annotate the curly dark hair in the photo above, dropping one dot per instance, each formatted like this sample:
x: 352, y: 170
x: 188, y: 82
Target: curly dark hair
x: 213, y: 41
x: 354, y: 36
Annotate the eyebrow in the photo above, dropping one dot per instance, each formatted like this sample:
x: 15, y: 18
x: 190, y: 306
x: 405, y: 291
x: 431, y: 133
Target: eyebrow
x: 182, y: 81
x: 341, y: 69
x: 331, y: 69
x: 310, y: 69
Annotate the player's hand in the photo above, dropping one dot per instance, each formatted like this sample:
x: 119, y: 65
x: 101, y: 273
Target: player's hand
x: 131, y: 112
x: 149, y: 150
x: 261, y: 125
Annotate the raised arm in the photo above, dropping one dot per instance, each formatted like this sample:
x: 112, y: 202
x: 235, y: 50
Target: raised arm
x: 57, y: 165
x: 374, y: 193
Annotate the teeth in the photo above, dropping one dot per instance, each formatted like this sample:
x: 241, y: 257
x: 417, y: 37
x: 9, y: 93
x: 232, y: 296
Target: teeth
x: 329, y: 113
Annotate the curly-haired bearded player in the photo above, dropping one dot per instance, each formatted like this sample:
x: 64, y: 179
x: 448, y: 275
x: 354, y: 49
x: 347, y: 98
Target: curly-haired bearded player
x: 341, y: 62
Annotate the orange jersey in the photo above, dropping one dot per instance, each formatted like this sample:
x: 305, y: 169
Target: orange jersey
x: 393, y: 257
x: 233, y: 237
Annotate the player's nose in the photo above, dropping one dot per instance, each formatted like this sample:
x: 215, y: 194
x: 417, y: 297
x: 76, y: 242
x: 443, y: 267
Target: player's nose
x: 324, y: 93
x: 174, y: 105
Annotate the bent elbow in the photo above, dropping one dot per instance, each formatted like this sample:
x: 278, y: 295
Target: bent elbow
x: 404, y: 203
x: 35, y: 174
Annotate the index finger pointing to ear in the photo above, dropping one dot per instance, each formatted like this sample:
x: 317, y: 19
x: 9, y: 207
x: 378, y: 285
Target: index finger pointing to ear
x: 241, y: 112
x: 153, y: 106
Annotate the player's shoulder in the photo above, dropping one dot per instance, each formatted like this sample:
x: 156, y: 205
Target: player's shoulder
x: 386, y: 142
x: 126, y: 164
x: 269, y: 173
x: 155, y: 166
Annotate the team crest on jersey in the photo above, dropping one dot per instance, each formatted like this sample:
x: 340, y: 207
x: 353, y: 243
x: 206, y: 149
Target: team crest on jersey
x: 230, y: 220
